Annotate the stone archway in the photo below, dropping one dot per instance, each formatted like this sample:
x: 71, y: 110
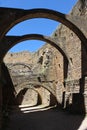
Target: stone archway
x: 18, y: 15
x: 10, y: 41
x: 47, y: 95
x: 29, y: 98
x: 22, y: 64
x: 23, y: 15
x: 16, y: 67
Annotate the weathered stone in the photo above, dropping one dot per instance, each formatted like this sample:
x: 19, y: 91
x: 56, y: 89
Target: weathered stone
x: 57, y: 72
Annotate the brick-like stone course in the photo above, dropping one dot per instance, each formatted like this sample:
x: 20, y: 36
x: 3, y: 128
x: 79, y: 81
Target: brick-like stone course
x: 49, y: 66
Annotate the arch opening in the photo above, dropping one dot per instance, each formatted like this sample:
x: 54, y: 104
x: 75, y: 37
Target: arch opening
x: 40, y: 37
x: 43, y: 13
x: 49, y: 40
x: 39, y: 27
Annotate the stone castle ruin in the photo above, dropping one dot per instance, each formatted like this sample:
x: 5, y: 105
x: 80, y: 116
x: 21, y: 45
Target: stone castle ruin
x: 55, y: 75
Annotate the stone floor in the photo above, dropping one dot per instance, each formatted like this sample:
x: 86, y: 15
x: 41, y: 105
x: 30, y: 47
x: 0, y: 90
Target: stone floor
x: 52, y: 119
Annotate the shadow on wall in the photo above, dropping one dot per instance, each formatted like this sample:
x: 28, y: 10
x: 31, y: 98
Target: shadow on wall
x: 78, y: 100
x: 53, y: 100
x: 8, y: 90
x: 65, y: 67
x: 83, y: 3
x: 77, y: 106
x: 79, y: 103
x: 52, y: 119
x: 21, y: 95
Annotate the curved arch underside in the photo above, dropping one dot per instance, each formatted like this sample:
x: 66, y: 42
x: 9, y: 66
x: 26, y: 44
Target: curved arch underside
x: 15, y: 16
x: 34, y: 85
x: 10, y: 41
x: 22, y: 64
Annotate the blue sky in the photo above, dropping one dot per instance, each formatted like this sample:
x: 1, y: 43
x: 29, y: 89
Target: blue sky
x: 39, y: 26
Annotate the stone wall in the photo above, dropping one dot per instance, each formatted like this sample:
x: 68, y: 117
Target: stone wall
x: 23, y: 56
x: 64, y: 83
x: 72, y: 45
x: 49, y: 62
x: 24, y: 73
x: 76, y: 95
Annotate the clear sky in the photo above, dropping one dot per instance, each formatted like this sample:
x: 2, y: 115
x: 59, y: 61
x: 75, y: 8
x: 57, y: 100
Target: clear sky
x: 39, y: 26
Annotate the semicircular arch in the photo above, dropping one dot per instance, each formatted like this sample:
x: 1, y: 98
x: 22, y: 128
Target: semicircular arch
x: 34, y: 84
x: 12, y: 41
x: 27, y: 88
x: 23, y: 64
x: 17, y: 16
